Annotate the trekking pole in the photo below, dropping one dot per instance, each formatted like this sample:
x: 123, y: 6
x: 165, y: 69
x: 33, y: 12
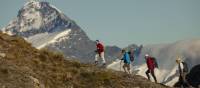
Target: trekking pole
x: 120, y: 65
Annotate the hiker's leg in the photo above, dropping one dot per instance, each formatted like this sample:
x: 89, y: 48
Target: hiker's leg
x: 103, y: 58
x: 132, y: 63
x: 124, y: 67
x: 153, y: 74
x: 184, y: 76
x: 178, y: 84
x: 128, y: 68
x: 147, y: 73
x: 96, y: 58
x: 186, y: 83
x: 181, y: 80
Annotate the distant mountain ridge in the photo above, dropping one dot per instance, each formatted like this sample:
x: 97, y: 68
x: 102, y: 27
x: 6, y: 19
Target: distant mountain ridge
x: 166, y: 55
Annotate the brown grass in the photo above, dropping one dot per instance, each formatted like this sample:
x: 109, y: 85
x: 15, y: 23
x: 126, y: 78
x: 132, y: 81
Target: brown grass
x: 24, y: 65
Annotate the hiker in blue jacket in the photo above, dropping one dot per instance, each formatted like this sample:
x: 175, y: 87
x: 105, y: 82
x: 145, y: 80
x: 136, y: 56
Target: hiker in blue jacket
x: 127, y: 61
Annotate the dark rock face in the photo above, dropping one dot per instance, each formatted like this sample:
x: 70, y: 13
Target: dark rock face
x: 194, y: 76
x: 112, y: 53
x: 77, y: 46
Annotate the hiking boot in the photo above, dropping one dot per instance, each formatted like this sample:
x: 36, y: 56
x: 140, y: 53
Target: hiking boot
x: 104, y: 64
x: 96, y: 62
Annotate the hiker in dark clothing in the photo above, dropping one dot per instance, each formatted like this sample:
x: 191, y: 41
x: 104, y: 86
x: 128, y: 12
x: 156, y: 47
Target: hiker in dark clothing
x: 183, y: 71
x: 151, y: 66
x: 131, y: 54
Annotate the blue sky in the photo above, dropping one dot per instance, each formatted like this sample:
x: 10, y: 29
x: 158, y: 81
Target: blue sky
x: 123, y: 22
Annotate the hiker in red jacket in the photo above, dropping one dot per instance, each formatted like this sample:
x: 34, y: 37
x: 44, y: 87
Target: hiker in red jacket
x: 99, y: 52
x: 151, y: 64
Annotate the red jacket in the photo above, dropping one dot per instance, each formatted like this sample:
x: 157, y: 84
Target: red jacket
x: 150, y: 63
x: 100, y: 48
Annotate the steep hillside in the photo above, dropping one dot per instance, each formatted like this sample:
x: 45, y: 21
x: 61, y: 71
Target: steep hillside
x: 45, y: 26
x: 22, y: 66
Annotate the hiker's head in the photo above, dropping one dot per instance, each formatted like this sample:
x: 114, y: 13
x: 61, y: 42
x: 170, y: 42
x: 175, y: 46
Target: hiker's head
x: 146, y: 56
x: 123, y: 50
x: 178, y: 60
x: 132, y: 49
x: 97, y: 41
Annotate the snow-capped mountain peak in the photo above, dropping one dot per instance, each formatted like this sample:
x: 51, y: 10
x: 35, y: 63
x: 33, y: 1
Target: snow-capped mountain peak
x: 36, y: 17
x: 45, y: 26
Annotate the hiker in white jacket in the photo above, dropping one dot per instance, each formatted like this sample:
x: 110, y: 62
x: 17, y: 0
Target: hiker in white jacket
x: 183, y: 71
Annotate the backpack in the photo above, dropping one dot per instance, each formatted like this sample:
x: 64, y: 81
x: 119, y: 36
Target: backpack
x: 155, y: 62
x: 131, y: 55
x: 185, y: 67
x: 126, y: 58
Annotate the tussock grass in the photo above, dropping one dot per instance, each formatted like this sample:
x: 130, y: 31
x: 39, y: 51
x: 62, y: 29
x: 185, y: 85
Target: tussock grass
x: 25, y: 66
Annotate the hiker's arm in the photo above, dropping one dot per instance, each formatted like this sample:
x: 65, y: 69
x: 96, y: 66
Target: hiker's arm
x: 95, y: 51
x: 120, y: 63
x: 122, y: 58
x: 182, y: 67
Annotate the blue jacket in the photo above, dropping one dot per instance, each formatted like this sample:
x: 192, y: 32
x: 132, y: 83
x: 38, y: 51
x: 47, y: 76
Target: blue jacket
x: 126, y: 58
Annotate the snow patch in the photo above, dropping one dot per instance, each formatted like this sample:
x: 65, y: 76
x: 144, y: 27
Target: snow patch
x: 80, y: 39
x: 56, y: 8
x: 31, y: 2
x: 43, y: 39
x: 70, y: 46
x: 57, y: 38
x: 31, y: 20
x: 8, y: 32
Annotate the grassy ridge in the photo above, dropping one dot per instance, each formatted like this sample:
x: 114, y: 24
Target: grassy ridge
x: 26, y: 67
